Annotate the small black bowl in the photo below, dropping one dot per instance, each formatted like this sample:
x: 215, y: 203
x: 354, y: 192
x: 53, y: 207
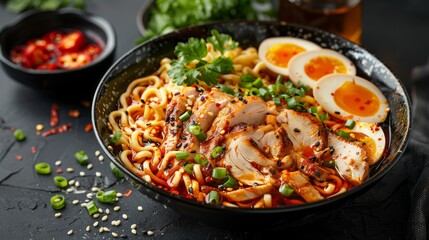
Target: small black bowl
x: 34, y: 24
x: 144, y: 59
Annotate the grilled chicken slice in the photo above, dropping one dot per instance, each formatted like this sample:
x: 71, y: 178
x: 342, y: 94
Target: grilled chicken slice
x: 301, y: 185
x: 303, y: 129
x: 309, y: 167
x: 251, y: 111
x: 248, y: 193
x: 350, y: 159
x: 276, y: 143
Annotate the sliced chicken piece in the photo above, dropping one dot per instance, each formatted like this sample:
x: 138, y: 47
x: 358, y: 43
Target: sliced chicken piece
x: 276, y: 143
x: 350, y: 159
x: 173, y: 129
x: 309, y: 167
x: 303, y: 129
x: 250, y: 111
x: 301, y: 185
x: 249, y: 193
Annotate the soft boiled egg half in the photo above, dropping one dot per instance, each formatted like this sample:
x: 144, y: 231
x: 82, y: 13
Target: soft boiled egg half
x: 347, y: 96
x: 276, y: 52
x: 308, y: 67
x: 371, y: 135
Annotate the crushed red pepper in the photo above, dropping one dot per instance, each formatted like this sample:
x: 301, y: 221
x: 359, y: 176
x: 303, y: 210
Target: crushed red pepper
x: 60, y: 129
x: 54, y: 115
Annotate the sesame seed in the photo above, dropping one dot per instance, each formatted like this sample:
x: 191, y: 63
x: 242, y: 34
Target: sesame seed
x: 188, y: 108
x: 222, y: 131
x: 119, y: 194
x: 77, y: 184
x: 98, y: 174
x: 107, y: 211
x: 101, y: 230
x: 150, y: 233
x: 71, y: 182
x: 89, y: 195
x: 189, y: 102
x: 95, y: 189
x: 191, y: 96
x: 114, y: 234
x: 70, y: 232
x: 96, y: 215
x: 88, y: 228
x: 75, y: 202
x: 116, y: 208
x: 110, y: 148
x: 69, y: 189
x: 58, y: 214
x: 83, y: 204
x: 95, y: 224
x: 89, y: 167
x: 100, y: 210
x: 97, y: 153
x: 210, y: 114
x: 87, y: 200
x: 140, y: 208
x: 104, y: 218
x: 58, y: 163
x: 118, y: 222
x: 39, y: 127
x: 101, y: 158
x: 70, y: 170
x: 82, y: 174
x: 124, y: 216
x: 134, y: 226
x: 106, y: 229
x: 133, y: 231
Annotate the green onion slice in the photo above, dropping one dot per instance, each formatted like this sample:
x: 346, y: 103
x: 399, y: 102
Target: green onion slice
x: 58, y: 202
x: 286, y: 190
x: 230, y: 182
x: 350, y: 124
x: 185, y: 116
x: 182, y: 155
x: 115, y: 138
x: 343, y: 134
x: 81, y: 157
x: 196, y: 130
x: 219, y: 173
x: 91, y: 207
x: 60, y: 181
x: 201, y: 159
x: 213, y: 198
x: 217, y: 152
x: 116, y: 171
x: 189, y: 168
x: 19, y: 135
x: 258, y: 83
x: 226, y: 89
x: 43, y: 168
x: 106, y: 197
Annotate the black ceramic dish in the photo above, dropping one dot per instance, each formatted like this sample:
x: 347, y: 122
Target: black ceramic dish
x: 34, y: 24
x: 144, y: 59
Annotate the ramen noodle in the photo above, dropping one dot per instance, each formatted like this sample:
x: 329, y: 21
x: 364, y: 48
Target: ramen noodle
x: 239, y: 148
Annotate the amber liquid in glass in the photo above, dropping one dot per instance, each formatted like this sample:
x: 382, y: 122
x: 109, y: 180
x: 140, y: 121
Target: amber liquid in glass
x: 341, y: 17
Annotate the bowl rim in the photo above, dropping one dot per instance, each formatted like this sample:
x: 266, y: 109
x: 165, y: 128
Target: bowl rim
x: 102, y: 23
x: 280, y: 209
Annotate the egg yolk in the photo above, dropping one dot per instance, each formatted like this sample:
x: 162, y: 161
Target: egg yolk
x: 356, y: 99
x: 367, y: 143
x: 324, y: 65
x: 280, y: 54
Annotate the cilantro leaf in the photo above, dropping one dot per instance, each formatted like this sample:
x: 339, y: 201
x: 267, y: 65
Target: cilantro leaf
x: 222, y: 42
x: 193, y: 49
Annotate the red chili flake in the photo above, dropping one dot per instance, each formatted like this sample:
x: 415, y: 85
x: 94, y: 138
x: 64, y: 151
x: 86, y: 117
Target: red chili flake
x: 60, y: 129
x: 74, y: 113
x: 54, y: 115
x: 128, y: 193
x: 86, y: 104
x: 88, y: 127
x: 33, y: 149
x: 18, y: 157
x: 59, y: 170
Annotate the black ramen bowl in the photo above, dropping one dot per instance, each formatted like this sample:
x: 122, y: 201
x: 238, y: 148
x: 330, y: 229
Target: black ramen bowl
x: 34, y: 24
x: 144, y: 59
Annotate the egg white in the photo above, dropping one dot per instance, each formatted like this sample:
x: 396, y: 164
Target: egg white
x: 376, y: 133
x: 324, y: 89
x: 267, y: 43
x: 297, y: 64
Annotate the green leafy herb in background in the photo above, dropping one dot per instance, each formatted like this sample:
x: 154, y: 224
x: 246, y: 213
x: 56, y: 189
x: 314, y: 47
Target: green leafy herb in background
x: 168, y: 15
x: 18, y: 6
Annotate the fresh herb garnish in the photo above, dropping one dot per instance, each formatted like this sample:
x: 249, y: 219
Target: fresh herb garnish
x: 18, y: 6
x: 182, y: 71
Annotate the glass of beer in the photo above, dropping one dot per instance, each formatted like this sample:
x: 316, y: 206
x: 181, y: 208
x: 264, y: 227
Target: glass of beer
x: 341, y: 17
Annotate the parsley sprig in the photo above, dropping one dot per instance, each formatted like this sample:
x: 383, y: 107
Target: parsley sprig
x: 182, y: 72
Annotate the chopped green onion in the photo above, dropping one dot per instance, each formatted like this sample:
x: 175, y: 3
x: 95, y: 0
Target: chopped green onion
x: 185, y: 116
x: 115, y: 138
x: 196, y: 130
x: 217, y: 152
x: 350, y: 124
x: 219, y: 173
x: 247, y: 85
x: 292, y: 103
x: 329, y: 164
x: 81, y: 157
x: 247, y: 78
x: 182, y: 155
x: 263, y: 92
x: 213, y: 198
x: 230, y: 182
x: 313, y: 109
x: 106, y: 197
x: 201, y: 159
x: 58, y: 202
x: 91, y: 207
x: 258, y: 83
x: 255, y: 92
x: 60, y: 181
x: 286, y: 190
x: 277, y: 101
x: 116, y: 171
x: 279, y: 79
x: 343, y: 134
x: 225, y: 89
x: 19, y: 135
x: 43, y: 168
x: 189, y: 168
x: 272, y: 89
